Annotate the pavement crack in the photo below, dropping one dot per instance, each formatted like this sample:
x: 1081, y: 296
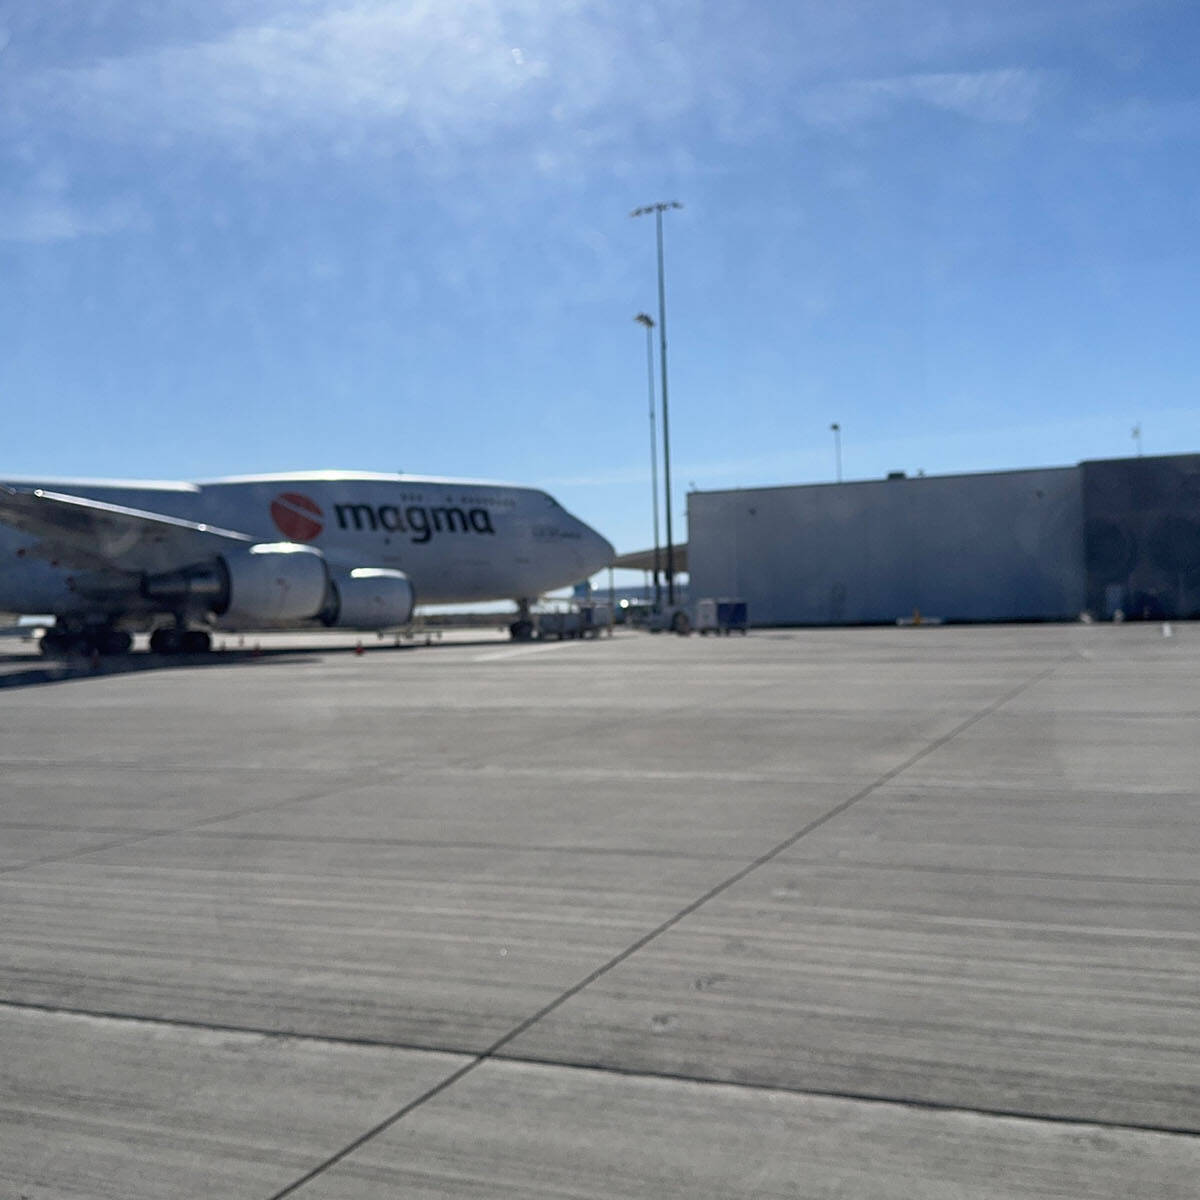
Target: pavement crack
x: 493, y: 1051
x: 476, y: 1059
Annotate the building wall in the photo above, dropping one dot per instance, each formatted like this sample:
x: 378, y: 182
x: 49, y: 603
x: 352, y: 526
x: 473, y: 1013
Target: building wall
x: 1143, y: 536
x: 994, y: 547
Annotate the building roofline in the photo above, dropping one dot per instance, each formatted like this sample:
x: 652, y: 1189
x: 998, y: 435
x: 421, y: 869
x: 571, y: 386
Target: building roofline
x: 877, y: 480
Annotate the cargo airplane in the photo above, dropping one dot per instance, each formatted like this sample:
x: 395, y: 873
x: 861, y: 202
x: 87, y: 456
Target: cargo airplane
x: 340, y: 549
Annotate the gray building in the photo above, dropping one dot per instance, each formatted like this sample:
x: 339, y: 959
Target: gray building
x: 1030, y: 545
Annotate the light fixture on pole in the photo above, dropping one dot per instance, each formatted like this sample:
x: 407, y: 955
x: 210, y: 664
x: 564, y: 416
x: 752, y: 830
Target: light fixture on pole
x: 658, y: 210
x: 837, y: 448
x: 648, y: 321
x: 1137, y: 437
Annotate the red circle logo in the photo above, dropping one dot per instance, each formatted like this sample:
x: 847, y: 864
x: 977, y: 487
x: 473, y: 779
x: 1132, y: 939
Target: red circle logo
x: 297, y: 517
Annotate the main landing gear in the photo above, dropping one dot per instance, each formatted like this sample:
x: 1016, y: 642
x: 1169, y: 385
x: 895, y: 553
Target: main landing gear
x: 169, y: 640
x: 62, y: 643
x: 74, y: 643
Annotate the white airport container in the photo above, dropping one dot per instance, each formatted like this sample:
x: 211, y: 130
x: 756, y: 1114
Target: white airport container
x: 721, y: 615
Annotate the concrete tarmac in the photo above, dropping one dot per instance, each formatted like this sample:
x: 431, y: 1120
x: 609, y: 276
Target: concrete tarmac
x: 872, y: 913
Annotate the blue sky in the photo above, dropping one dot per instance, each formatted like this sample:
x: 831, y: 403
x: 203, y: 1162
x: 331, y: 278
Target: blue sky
x: 258, y: 235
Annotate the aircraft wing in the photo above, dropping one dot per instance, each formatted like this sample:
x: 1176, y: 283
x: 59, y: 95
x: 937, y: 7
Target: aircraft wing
x: 92, y: 535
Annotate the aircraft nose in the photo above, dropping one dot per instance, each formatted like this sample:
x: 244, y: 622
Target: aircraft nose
x: 598, y: 551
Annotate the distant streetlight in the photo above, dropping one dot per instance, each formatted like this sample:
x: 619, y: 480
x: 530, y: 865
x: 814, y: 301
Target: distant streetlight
x: 1137, y: 437
x: 837, y: 448
x: 658, y: 210
x: 648, y: 322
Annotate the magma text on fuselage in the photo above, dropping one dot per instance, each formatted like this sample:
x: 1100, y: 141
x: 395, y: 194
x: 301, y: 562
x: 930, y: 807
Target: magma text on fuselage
x: 417, y: 520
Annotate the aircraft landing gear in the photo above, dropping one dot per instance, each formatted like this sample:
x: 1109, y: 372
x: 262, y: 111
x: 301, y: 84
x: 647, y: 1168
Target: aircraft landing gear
x: 62, y: 643
x: 522, y: 629
x: 57, y: 645
x: 169, y: 640
x: 165, y: 641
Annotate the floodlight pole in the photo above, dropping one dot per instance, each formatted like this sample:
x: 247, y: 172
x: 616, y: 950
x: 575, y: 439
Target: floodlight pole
x: 648, y: 322
x: 837, y: 448
x: 658, y: 210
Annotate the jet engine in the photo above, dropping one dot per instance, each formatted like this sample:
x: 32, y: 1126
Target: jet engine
x: 369, y: 598
x: 273, y: 583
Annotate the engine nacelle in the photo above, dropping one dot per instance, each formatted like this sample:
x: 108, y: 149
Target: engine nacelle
x: 369, y: 598
x: 273, y: 583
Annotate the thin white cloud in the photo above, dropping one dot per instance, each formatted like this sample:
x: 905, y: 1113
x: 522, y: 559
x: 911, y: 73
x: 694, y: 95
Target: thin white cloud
x: 1010, y: 95
x: 435, y: 68
x: 708, y: 470
x: 1141, y: 121
x: 617, y: 477
x: 53, y: 219
x: 443, y: 73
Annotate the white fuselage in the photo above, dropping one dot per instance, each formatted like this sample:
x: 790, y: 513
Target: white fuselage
x: 458, y: 541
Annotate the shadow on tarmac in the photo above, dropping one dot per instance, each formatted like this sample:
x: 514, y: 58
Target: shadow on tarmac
x: 27, y: 670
